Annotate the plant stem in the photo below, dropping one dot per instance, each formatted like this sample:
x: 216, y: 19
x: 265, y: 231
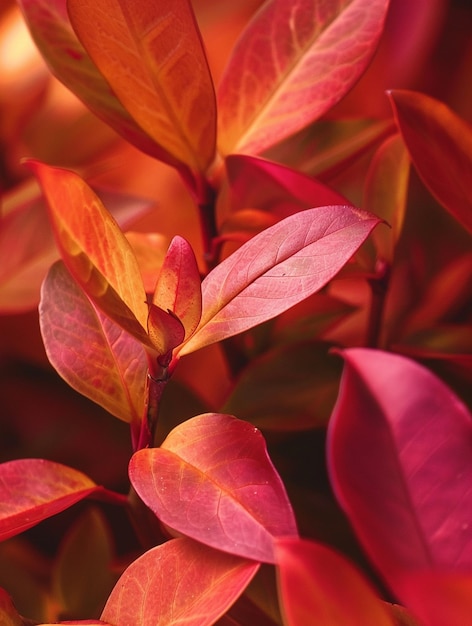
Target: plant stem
x: 379, y: 287
x: 209, y: 231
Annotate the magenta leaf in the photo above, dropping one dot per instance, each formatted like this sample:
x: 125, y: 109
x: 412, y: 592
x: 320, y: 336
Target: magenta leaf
x: 319, y: 586
x: 178, y: 582
x: 400, y: 459
x: 292, y: 63
x: 278, y: 268
x: 116, y: 376
x: 32, y: 490
x: 212, y: 480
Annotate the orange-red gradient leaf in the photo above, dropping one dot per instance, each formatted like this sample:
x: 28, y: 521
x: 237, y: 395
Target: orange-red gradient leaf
x: 94, y: 249
x: 213, y: 480
x: 178, y: 287
x: 292, y: 63
x: 319, y: 586
x: 278, y: 268
x: 440, y: 146
x: 93, y: 354
x: 152, y: 56
x: 179, y: 582
x: 32, y: 490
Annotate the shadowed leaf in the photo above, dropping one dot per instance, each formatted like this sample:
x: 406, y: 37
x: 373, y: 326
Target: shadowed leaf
x: 212, y: 480
x: 292, y: 63
x: 32, y: 490
x: 169, y: 586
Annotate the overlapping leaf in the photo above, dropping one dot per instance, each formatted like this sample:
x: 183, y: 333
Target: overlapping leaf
x: 52, y: 32
x: 278, y: 268
x: 72, y: 330
x: 32, y: 490
x: 318, y: 586
x: 401, y: 439
x: 440, y: 145
x: 152, y: 56
x: 212, y: 480
x: 178, y: 582
x: 292, y: 63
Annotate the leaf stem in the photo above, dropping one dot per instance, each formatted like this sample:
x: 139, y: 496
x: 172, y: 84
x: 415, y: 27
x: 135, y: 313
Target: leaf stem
x: 379, y: 286
x: 209, y: 231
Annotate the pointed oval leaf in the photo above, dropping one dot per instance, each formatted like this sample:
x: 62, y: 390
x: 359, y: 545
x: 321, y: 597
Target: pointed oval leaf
x: 319, y: 586
x: 178, y: 582
x: 212, y: 480
x: 292, y: 63
x: 32, y: 490
x: 94, y: 249
x: 94, y: 355
x: 400, y: 438
x: 178, y: 287
x: 440, y: 145
x: 278, y: 268
x: 52, y: 32
x: 152, y: 55
x: 165, y: 330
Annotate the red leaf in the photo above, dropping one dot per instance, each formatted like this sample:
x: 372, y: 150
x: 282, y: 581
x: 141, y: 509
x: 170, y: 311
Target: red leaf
x: 165, y: 331
x: 399, y: 449
x: 292, y: 63
x: 52, y: 32
x: 115, y: 377
x: 278, y: 268
x: 94, y: 249
x: 212, y: 480
x: 32, y: 490
x: 318, y: 586
x: 152, y: 56
x: 178, y: 582
x: 178, y: 287
x: 440, y: 145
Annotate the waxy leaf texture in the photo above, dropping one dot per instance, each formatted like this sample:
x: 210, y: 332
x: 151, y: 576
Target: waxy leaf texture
x: 292, y: 63
x: 440, y: 145
x: 71, y: 328
x: 278, y: 268
x: 152, y: 56
x: 32, y: 490
x: 212, y: 480
x: 319, y: 586
x: 400, y: 460
x: 179, y: 582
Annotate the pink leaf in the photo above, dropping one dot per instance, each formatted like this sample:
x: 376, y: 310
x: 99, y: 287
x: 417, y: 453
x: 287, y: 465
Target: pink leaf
x: 292, y: 63
x: 400, y: 458
x: 440, y: 145
x: 178, y: 287
x: 152, y: 56
x: 212, y: 480
x: 71, y: 327
x: 32, y: 490
x: 178, y: 582
x: 278, y: 268
x: 52, y: 32
x: 319, y: 586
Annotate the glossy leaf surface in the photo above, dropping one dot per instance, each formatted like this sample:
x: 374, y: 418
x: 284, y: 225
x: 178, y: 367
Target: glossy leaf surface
x: 440, y: 145
x: 178, y: 287
x: 292, y: 63
x: 278, y: 268
x: 400, y: 438
x: 52, y: 32
x: 32, y: 490
x: 212, y: 480
x: 178, y: 582
x: 152, y: 56
x: 71, y: 327
x: 319, y: 586
x: 94, y: 249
